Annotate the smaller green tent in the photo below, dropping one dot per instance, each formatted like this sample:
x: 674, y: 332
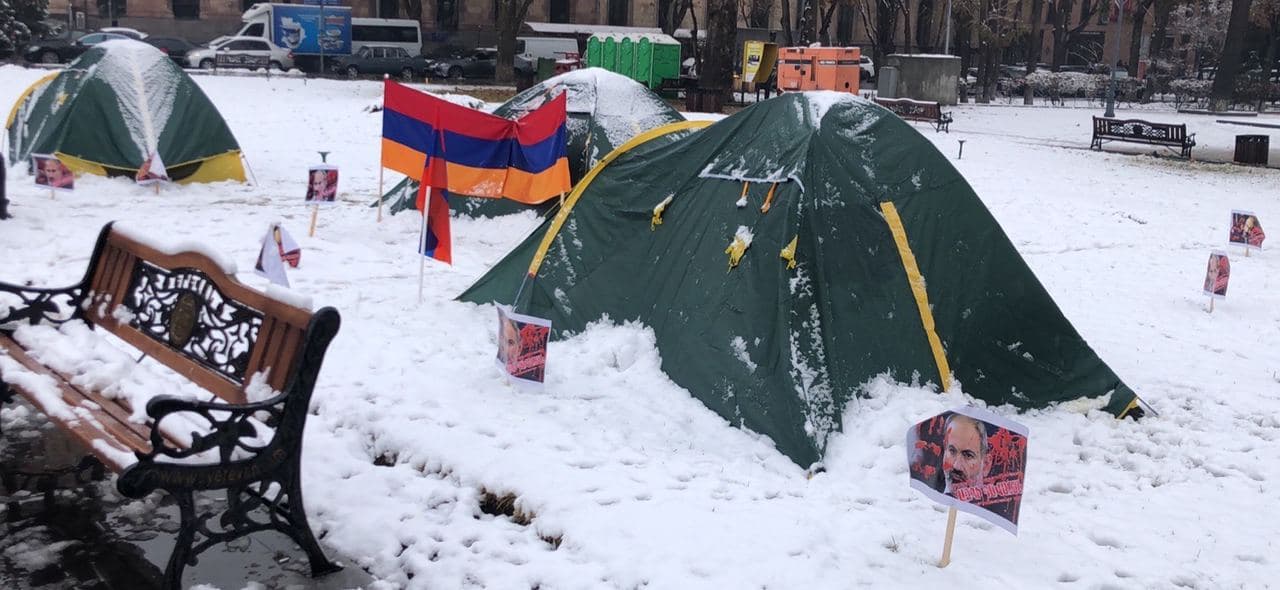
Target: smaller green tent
x: 114, y: 107
x: 605, y: 110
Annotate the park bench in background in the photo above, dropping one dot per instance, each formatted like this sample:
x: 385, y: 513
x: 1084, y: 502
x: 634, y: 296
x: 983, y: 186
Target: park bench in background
x: 254, y: 356
x: 1138, y: 131
x: 918, y: 110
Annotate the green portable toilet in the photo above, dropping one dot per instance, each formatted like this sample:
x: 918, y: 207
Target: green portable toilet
x: 644, y: 62
x: 665, y: 60
x: 610, y: 61
x: 595, y: 52
x: 626, y: 58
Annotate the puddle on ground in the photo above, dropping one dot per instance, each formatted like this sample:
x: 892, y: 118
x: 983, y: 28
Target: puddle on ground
x: 84, y: 535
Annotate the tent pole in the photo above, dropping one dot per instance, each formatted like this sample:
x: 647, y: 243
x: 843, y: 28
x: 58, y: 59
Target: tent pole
x: 246, y: 165
x: 946, y: 544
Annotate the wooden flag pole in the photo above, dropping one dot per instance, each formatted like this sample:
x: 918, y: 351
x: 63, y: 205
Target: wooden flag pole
x: 315, y: 212
x: 157, y: 185
x: 946, y: 545
x: 380, y: 196
x: 422, y: 248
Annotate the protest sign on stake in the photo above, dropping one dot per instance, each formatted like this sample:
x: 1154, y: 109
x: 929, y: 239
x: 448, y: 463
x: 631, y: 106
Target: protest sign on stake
x: 152, y: 172
x: 322, y: 189
x: 52, y: 173
x: 1246, y: 230
x: 522, y: 347
x: 970, y: 460
x: 1216, y: 277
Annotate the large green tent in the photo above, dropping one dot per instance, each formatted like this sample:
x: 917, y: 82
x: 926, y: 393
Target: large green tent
x: 872, y: 256
x: 604, y: 111
x: 114, y: 107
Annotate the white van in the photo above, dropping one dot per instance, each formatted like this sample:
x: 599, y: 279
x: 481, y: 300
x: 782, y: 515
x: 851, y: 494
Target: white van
x: 395, y: 32
x: 532, y: 48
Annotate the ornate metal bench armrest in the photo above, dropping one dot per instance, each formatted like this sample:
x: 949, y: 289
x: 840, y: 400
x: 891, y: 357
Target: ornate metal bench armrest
x: 231, y: 426
x: 1191, y: 139
x: 41, y: 305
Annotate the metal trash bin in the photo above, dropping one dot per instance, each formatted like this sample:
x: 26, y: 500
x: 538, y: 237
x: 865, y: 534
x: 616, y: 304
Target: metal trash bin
x: 1252, y: 149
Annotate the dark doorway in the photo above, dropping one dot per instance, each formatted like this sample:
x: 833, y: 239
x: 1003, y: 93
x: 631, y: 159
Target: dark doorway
x: 559, y: 11
x: 619, y: 13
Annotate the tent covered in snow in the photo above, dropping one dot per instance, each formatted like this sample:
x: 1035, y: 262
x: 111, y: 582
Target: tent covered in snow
x: 604, y: 111
x: 787, y: 255
x: 114, y: 107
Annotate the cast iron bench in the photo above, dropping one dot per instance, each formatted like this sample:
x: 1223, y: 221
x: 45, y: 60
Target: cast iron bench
x: 184, y: 311
x: 918, y: 110
x: 1138, y: 131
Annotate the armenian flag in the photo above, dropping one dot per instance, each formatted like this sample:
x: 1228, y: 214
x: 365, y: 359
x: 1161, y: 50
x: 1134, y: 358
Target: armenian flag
x: 468, y: 152
x: 435, y: 241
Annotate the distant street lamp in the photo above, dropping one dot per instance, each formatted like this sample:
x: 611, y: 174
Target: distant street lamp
x: 1111, y: 87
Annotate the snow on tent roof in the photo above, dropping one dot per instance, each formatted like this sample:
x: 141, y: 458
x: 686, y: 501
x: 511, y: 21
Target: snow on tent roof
x: 885, y: 262
x: 115, y: 106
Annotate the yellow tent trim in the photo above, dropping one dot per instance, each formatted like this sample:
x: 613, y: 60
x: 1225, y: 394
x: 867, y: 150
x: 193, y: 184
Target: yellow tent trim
x: 582, y: 185
x: 13, y: 112
x: 917, y: 288
x: 224, y: 166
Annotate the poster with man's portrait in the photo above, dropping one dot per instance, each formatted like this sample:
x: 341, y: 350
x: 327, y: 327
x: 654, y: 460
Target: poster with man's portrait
x: 522, y: 346
x: 972, y: 460
x: 1217, y: 275
x: 322, y: 184
x: 1246, y: 230
x: 52, y: 173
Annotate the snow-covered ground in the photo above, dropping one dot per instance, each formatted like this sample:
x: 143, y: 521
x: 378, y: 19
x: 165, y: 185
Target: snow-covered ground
x: 622, y: 480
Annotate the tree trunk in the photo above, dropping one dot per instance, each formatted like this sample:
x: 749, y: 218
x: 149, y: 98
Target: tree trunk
x: 886, y: 28
x: 1231, y: 57
x: 715, y: 74
x: 824, y: 33
x: 1135, y: 35
x: 1268, y: 63
x: 511, y: 15
x: 1060, y: 17
x: 787, y: 37
x: 1160, y: 28
x: 906, y: 24
x: 1035, y: 19
x: 924, y: 24
x: 806, y: 22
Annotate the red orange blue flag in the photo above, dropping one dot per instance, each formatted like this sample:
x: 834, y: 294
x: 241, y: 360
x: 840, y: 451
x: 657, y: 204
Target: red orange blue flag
x: 468, y: 152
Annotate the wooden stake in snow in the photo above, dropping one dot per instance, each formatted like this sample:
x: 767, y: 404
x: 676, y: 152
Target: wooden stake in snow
x: 315, y: 212
x: 422, y: 253
x: 1211, y: 305
x: 946, y: 544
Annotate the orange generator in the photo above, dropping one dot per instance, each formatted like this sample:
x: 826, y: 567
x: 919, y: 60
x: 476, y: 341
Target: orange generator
x: 819, y: 68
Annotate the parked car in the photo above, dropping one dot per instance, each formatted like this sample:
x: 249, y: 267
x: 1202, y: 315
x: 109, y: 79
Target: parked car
x: 381, y: 59
x: 173, y: 47
x: 60, y: 51
x: 868, y: 68
x: 126, y: 31
x: 478, y: 64
x: 206, y: 58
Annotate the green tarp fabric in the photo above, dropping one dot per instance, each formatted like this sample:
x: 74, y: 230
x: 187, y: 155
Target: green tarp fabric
x: 116, y: 104
x: 782, y: 350
x: 605, y: 110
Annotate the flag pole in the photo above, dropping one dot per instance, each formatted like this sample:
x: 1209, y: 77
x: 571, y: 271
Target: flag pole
x: 422, y: 247
x: 381, y: 170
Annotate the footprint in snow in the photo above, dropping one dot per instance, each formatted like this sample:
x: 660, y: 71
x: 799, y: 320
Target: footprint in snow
x: 1068, y: 578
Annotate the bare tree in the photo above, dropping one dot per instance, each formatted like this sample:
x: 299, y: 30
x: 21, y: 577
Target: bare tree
x: 787, y: 36
x: 1139, y: 21
x: 671, y: 13
x: 1266, y: 14
x: 1035, y: 18
x: 806, y: 22
x: 1224, y: 81
x: 715, y: 72
x: 510, y: 17
x: 756, y: 12
x: 880, y: 17
x: 1065, y: 33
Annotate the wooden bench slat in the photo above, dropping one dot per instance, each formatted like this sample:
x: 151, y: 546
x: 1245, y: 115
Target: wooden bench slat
x: 108, y: 428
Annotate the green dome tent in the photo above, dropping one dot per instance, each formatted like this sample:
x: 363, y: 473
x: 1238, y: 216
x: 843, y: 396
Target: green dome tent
x: 116, y: 105
x: 604, y: 111
x: 872, y: 255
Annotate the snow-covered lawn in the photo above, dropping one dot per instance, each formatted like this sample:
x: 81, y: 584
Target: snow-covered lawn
x: 622, y: 480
